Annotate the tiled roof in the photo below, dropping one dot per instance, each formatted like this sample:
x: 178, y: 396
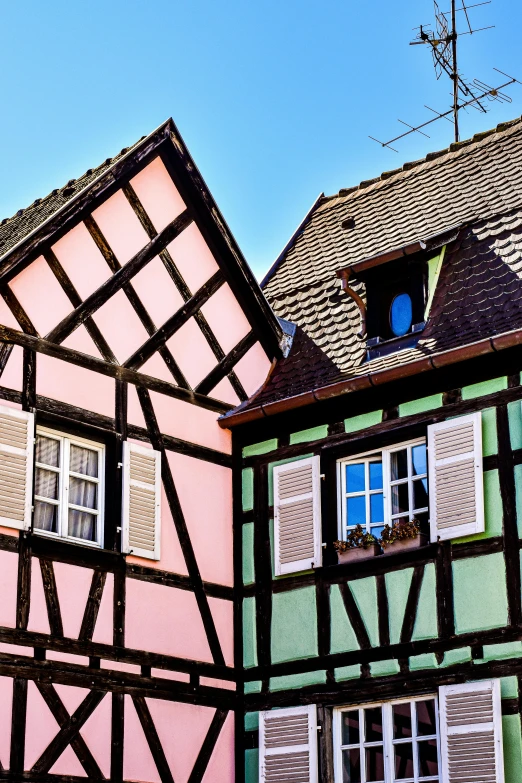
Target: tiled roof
x: 479, y: 293
x: 17, y: 227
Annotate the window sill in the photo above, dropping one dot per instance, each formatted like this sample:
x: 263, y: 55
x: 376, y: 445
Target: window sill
x: 72, y: 551
x: 358, y: 553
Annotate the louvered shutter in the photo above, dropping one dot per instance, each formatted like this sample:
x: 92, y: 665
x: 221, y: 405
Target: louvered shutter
x: 297, y: 516
x: 16, y: 467
x: 455, y: 476
x: 471, y: 733
x: 141, y: 510
x: 288, y: 745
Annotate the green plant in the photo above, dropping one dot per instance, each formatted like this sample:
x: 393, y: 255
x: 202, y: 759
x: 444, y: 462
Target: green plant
x: 399, y: 532
x: 356, y: 538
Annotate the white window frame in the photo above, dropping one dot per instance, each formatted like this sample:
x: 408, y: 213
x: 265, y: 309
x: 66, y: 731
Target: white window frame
x: 66, y: 441
x: 388, y: 742
x: 385, y: 456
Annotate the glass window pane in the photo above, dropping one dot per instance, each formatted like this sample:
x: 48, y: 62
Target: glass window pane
x: 45, y: 516
x: 399, y: 464
x: 426, y: 718
x: 356, y: 511
x: 420, y: 493
x: 373, y: 724
x: 428, y: 763
x: 376, y: 508
x: 403, y: 761
x: 350, y: 728
x: 401, y: 314
x: 82, y: 525
x: 352, y: 766
x: 419, y: 459
x: 374, y: 764
x: 402, y: 720
x: 84, y: 461
x: 399, y: 497
x: 48, y: 451
x: 375, y: 475
x: 355, y: 478
x: 83, y: 493
x: 46, y: 483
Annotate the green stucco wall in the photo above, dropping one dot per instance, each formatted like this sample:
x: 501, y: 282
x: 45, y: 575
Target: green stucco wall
x: 249, y: 632
x: 486, y: 387
x: 362, y: 421
x: 343, y: 637
x: 248, y: 552
x: 248, y: 489
x: 364, y: 592
x: 426, y: 620
x: 294, y: 625
x: 305, y: 436
x: 511, y: 740
x: 260, y: 448
x: 421, y: 405
x: 480, y: 598
x: 397, y: 589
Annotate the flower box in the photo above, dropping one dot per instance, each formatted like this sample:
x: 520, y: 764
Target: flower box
x: 358, y: 553
x: 407, y: 543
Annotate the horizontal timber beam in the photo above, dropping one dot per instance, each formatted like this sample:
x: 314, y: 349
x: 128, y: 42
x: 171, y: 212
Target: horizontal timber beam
x: 42, y: 345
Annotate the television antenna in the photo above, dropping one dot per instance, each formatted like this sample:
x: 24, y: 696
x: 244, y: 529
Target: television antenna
x: 442, y: 43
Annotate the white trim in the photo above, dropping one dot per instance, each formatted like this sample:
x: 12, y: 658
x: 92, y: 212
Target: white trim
x: 478, y: 525
x: 128, y: 449
x: 311, y: 747
x: 64, y: 475
x: 307, y: 563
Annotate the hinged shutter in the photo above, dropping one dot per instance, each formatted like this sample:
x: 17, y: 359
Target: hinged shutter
x: 16, y: 467
x: 471, y: 733
x: 141, y: 513
x: 288, y: 745
x: 455, y: 477
x: 297, y: 516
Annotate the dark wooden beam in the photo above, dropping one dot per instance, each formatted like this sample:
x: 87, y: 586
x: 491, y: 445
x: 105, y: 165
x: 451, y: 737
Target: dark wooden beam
x: 354, y: 616
x: 51, y: 597
x: 138, y: 379
x: 209, y: 743
x: 117, y: 736
x: 412, y: 604
x: 93, y: 605
x: 19, y: 714
x: 119, y: 278
x: 506, y: 478
x: 225, y: 366
x: 153, y: 740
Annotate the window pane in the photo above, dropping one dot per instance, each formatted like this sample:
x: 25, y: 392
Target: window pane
x: 426, y: 722
x: 82, y: 525
x: 83, y: 493
x: 376, y: 508
x: 355, y: 480
x: 419, y: 460
x: 48, y: 451
x: 375, y: 475
x: 46, y: 483
x: 420, y: 493
x: 399, y: 464
x: 45, y: 516
x: 401, y: 314
x: 350, y: 728
x: 374, y: 764
x: 403, y: 760
x: 399, y: 496
x: 428, y: 764
x: 352, y: 766
x: 84, y: 461
x: 373, y: 724
x: 356, y: 508
x: 402, y: 720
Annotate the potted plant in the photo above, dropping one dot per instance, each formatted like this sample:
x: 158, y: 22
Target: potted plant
x: 358, y: 546
x: 403, y: 535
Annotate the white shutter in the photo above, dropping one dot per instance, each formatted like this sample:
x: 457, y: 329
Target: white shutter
x: 455, y: 477
x: 471, y: 733
x: 288, y: 745
x: 141, y: 512
x: 16, y: 467
x: 297, y: 516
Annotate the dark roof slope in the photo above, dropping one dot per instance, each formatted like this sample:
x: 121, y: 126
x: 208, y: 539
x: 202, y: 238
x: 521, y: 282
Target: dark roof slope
x: 16, y: 228
x: 479, y: 294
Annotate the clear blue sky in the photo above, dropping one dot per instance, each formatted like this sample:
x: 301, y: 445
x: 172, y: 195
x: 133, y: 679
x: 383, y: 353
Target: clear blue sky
x: 275, y: 99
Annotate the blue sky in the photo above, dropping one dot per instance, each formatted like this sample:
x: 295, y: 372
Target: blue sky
x: 275, y: 98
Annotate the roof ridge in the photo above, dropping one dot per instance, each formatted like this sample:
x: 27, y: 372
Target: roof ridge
x: 455, y: 146
x: 63, y: 190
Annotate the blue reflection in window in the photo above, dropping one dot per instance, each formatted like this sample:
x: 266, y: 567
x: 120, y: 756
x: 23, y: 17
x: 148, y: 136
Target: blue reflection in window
x: 376, y: 508
x: 355, y: 480
x: 401, y: 314
x: 375, y: 475
x: 356, y: 508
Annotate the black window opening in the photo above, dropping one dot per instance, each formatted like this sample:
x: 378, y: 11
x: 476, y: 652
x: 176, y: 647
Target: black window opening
x: 396, y: 295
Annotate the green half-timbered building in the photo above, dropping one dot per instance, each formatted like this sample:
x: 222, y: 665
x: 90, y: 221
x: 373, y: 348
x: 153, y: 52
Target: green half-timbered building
x: 398, y: 403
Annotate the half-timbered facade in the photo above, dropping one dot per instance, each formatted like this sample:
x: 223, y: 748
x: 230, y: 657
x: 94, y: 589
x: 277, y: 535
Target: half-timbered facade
x: 399, y: 405
x: 129, y: 323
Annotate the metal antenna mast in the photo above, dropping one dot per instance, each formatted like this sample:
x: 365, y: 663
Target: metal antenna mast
x: 443, y: 45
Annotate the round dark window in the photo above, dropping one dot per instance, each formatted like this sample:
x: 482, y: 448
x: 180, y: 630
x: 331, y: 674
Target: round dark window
x: 401, y: 314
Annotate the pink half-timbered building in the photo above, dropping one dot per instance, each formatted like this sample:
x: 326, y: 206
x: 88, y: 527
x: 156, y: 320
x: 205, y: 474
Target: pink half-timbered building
x: 129, y: 322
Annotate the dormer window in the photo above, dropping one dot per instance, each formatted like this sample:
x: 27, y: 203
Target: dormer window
x: 401, y: 314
